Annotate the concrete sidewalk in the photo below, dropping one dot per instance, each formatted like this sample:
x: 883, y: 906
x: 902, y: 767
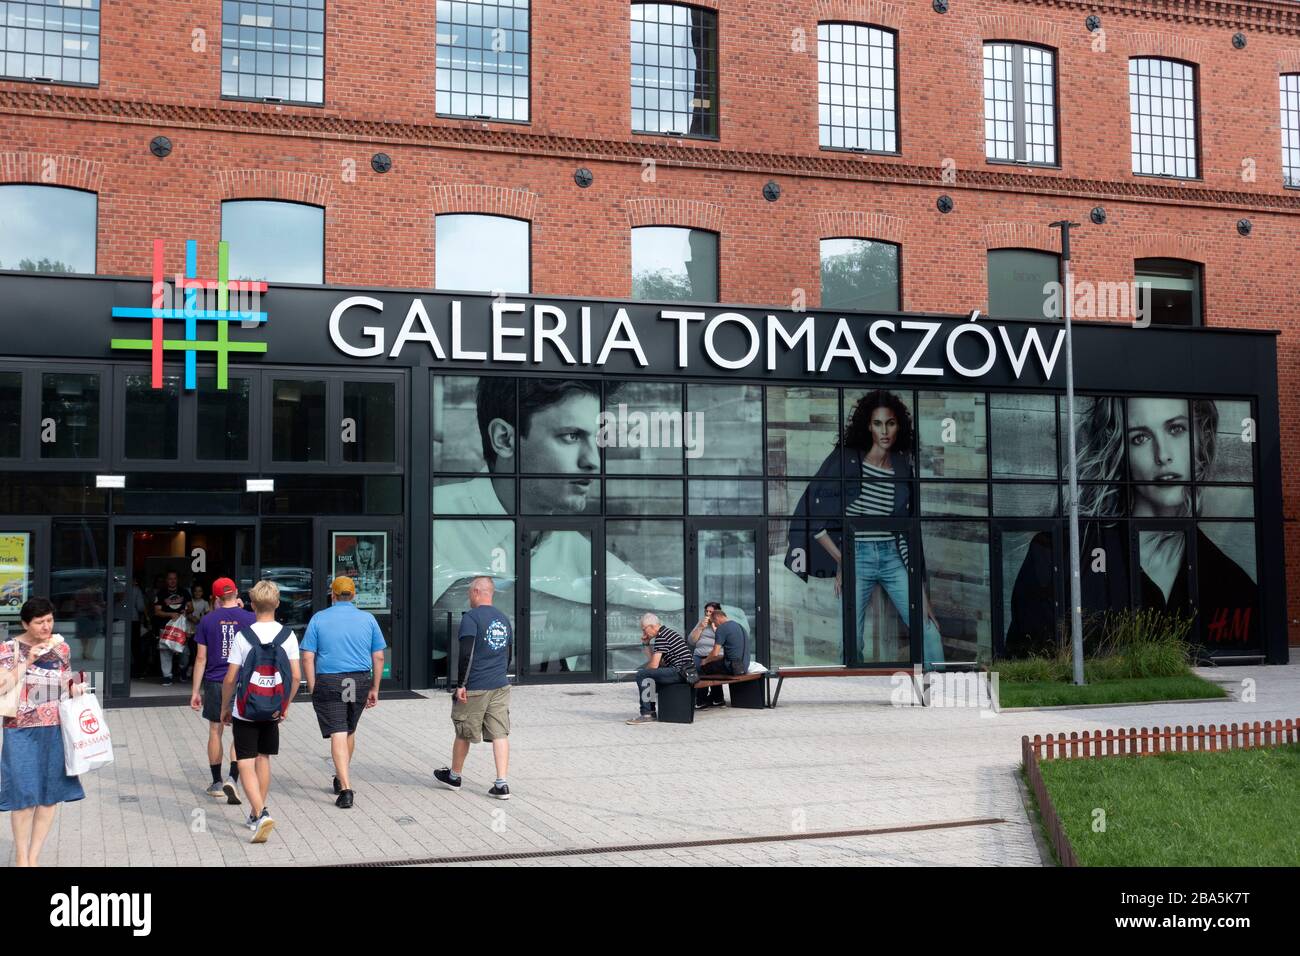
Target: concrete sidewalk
x: 834, y: 756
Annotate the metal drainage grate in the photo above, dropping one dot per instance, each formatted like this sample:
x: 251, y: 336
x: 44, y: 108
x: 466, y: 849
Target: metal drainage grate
x: 580, y: 693
x: 128, y: 799
x: 676, y: 845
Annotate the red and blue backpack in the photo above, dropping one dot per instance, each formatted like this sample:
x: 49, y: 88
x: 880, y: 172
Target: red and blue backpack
x: 260, y: 695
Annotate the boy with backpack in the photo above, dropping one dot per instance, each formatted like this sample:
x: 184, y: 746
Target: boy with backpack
x: 261, y: 681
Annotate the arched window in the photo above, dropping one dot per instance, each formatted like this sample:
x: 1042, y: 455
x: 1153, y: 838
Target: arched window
x: 857, y: 87
x: 674, y: 70
x: 47, y: 229
x: 1021, y: 282
x: 674, y: 263
x: 1020, y: 103
x: 479, y: 253
x: 860, y: 274
x: 274, y: 241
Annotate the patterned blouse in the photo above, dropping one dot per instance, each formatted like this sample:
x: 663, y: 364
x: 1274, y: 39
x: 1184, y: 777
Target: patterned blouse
x: 46, y: 679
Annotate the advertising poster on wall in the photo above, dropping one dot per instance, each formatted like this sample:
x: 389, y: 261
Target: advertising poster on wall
x: 363, y: 557
x: 15, y: 572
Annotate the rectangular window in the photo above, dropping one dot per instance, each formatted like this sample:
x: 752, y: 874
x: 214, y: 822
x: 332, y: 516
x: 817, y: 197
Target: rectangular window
x: 369, y: 421
x: 11, y: 414
x: 152, y: 417
x: 58, y: 42
x: 69, y: 415
x: 222, y: 431
x: 298, y: 421
x: 1162, y: 113
x: 483, y: 59
x: 856, y: 88
x: 674, y: 70
x: 1020, y: 104
x: 1289, y: 85
x: 273, y: 50
x: 1021, y: 283
x: 860, y: 274
x: 1169, y: 291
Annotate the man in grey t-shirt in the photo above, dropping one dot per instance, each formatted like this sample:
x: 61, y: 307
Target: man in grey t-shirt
x: 731, y: 651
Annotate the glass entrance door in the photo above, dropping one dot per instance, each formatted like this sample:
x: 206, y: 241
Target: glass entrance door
x: 561, y: 599
x: 724, y: 566
x: 369, y: 551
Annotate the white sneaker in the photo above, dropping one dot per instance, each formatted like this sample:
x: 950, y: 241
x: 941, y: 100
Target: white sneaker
x: 261, y: 827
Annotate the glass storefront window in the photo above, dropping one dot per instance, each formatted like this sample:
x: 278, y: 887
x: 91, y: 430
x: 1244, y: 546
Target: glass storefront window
x: 370, y: 421
x: 671, y: 263
x: 298, y: 420
x: 953, y: 434
x: 725, y: 496
x: 879, y: 417
x: 1023, y: 440
x: 1016, y: 500
x: 473, y: 423
x: 274, y: 241
x: 11, y: 414
x: 860, y: 274
x: 729, y: 423
x: 69, y: 415
x: 1228, y: 585
x: 644, y: 571
x: 805, y: 609
x: 47, y: 228
x: 286, y: 559
x: 1225, y: 440
x: 643, y: 496
x: 152, y: 418
x: 477, y: 253
x: 223, y: 428
x: 462, y: 551
x: 959, y: 590
x: 803, y: 429
x: 645, y: 432
x: 954, y: 499
x: 78, y: 589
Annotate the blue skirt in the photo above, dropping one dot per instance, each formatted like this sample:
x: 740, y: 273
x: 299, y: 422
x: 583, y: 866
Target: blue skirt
x: 31, y: 770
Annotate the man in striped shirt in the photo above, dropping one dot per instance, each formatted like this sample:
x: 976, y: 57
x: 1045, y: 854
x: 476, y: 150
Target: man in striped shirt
x: 668, y: 653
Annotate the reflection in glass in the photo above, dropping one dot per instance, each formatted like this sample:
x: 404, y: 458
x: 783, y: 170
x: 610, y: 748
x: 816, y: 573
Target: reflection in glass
x: 372, y: 407
x: 1230, y: 429
x: 223, y: 419
x: 558, y: 596
x: 644, y: 433
x: 957, y: 567
x: 298, y: 420
x: 1020, y: 283
x: 860, y: 274
x: 807, y: 626
x: 730, y: 422
x: 670, y: 263
x: 483, y: 71
x: 803, y: 425
x: 78, y: 588
x: 275, y: 49
x: 722, y: 496
x: 462, y: 551
x: 1169, y: 291
x: 274, y: 241
x: 953, y: 436
x: 47, y: 228
x: 71, y: 400
x: 460, y: 433
x: 644, y: 571
x: 674, y: 57
x: 1226, y: 573
x: 727, y: 565
x: 287, y: 560
x: 1031, y: 577
x: 152, y: 416
x: 643, y: 496
x: 1023, y: 440
x: 954, y: 499
x: 477, y: 253
x: 1024, y: 500
x: 11, y: 414
x: 1222, y: 502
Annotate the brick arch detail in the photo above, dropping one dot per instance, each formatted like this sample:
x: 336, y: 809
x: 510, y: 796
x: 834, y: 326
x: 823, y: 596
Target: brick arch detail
x: 691, y: 213
x: 487, y: 200
x: 274, y: 184
x: 1015, y: 26
x: 1288, y: 61
x: 871, y: 12
x: 1021, y: 235
x: 1168, y: 245
x: 860, y: 225
x: 1172, y: 45
x: 51, y: 169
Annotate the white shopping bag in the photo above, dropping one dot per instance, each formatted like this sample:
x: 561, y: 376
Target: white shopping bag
x: 86, y: 741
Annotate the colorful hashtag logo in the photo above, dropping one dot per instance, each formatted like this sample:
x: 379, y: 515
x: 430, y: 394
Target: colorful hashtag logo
x: 192, y: 313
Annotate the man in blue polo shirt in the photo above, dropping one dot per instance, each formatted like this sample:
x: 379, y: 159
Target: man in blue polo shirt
x: 345, y: 679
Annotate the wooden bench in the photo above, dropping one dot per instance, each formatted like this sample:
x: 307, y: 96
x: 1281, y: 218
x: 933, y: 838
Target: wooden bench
x: 676, y: 702
x: 781, y: 673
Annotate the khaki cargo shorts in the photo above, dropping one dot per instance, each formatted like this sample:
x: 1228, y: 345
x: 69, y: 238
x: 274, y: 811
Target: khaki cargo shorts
x: 485, y: 715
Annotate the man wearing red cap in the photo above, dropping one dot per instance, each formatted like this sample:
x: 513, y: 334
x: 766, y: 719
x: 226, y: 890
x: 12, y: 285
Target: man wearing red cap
x: 214, y: 637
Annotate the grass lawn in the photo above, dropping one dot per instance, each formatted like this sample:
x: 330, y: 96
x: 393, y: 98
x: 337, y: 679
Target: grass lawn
x: 1231, y: 808
x: 1051, y: 693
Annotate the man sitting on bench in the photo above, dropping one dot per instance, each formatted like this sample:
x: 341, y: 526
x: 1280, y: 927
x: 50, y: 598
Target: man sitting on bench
x: 667, y: 657
x: 730, y: 654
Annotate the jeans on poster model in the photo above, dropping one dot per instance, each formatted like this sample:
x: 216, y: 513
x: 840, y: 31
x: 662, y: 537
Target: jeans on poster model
x: 878, y: 562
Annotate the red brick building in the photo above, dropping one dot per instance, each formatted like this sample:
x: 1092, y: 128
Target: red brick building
x: 160, y: 73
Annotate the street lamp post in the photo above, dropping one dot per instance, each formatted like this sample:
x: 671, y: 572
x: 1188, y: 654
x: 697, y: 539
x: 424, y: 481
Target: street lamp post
x: 1076, y: 602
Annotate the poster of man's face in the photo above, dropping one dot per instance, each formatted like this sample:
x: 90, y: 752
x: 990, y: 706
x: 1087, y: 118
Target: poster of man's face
x: 363, y: 557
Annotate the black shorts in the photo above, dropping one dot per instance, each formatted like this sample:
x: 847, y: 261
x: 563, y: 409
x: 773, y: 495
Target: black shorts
x: 212, y: 701
x: 339, y: 700
x: 254, y: 738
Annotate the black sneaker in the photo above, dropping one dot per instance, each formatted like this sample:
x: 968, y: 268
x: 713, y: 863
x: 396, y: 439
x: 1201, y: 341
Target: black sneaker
x: 443, y: 776
x: 337, y: 787
x: 501, y: 793
x: 344, y: 801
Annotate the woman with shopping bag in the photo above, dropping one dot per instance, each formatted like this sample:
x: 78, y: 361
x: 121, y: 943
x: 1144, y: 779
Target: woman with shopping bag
x: 35, y: 672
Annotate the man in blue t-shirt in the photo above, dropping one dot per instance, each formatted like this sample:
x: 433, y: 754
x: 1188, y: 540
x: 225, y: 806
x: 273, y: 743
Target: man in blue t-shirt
x: 343, y: 661
x: 214, y: 637
x: 731, y: 650
x: 482, y: 707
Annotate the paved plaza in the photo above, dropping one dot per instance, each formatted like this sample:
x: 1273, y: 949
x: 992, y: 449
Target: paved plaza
x: 836, y: 755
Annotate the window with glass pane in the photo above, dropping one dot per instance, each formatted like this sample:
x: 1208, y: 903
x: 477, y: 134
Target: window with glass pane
x: 273, y: 49
x: 11, y: 414
x: 645, y: 570
x: 675, y: 264
x: 47, y: 229
x: 1289, y: 88
x: 953, y: 437
x: 730, y: 423
x: 223, y: 419
x: 1021, y: 282
x: 152, y: 418
x: 856, y: 87
x: 476, y: 253
x: 1020, y: 103
x: 645, y: 430
x: 71, y: 401
x: 462, y: 551
x: 1225, y: 440
x: 860, y: 274
x: 674, y: 69
x: 803, y: 430
x: 369, y: 421
x: 959, y: 589
x: 1162, y: 113
x: 805, y: 614
x: 483, y: 59
x: 1169, y: 291
x: 1023, y: 442
x: 274, y: 241
x: 298, y: 420
x: 54, y: 40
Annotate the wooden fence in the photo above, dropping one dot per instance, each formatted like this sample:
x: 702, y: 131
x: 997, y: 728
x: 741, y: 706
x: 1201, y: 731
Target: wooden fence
x: 1138, y: 742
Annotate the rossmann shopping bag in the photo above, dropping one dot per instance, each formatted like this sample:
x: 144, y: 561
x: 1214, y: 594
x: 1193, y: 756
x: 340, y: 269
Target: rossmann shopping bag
x: 87, y: 744
x: 174, y: 636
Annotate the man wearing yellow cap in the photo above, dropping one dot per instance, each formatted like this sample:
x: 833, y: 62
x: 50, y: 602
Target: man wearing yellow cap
x: 343, y: 660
